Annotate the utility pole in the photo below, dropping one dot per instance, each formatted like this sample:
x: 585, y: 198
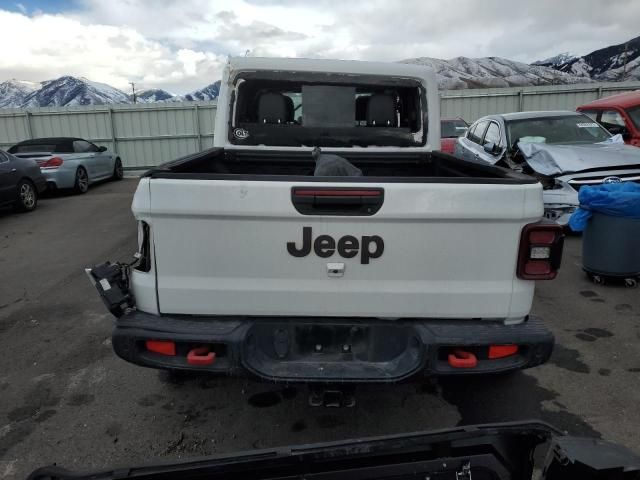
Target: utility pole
x: 133, y: 91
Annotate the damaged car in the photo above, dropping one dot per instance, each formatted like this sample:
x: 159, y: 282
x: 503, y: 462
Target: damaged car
x: 564, y: 150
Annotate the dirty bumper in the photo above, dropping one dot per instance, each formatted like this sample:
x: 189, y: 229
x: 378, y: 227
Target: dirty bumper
x: 329, y: 349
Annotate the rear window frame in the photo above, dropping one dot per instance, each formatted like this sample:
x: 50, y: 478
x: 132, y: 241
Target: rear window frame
x: 336, y: 136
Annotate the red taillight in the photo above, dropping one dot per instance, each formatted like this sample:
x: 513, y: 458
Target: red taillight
x: 163, y: 347
x: 52, y: 163
x: 540, y: 251
x: 502, y: 351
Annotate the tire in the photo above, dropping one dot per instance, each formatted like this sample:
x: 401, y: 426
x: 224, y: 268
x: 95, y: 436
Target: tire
x: 82, y: 181
x: 118, y: 171
x: 27, y: 200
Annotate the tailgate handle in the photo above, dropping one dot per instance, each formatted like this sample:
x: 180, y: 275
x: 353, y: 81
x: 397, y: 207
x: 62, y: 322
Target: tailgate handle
x: 337, y: 201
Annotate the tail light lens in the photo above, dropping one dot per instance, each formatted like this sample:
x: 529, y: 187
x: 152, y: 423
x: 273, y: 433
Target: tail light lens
x: 54, y: 162
x: 540, y: 251
x: 163, y: 347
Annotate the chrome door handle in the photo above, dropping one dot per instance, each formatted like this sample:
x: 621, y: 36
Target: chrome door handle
x: 13, y: 170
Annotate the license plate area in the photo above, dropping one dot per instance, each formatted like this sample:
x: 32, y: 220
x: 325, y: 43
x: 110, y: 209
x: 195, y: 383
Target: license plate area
x: 332, y: 350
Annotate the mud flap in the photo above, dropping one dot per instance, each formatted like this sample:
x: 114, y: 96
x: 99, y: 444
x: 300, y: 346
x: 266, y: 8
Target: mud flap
x: 112, y: 282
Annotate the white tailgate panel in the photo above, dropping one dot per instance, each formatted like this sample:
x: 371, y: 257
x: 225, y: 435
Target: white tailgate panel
x: 449, y: 251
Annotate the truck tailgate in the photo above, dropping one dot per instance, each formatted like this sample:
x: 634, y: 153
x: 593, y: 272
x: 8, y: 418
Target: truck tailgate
x: 449, y: 250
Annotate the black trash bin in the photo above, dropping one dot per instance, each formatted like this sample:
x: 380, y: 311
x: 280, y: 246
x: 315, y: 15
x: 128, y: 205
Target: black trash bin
x: 609, y: 216
x: 611, y: 249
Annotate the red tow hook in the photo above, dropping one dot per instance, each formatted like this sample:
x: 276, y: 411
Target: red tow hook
x: 201, y: 356
x: 462, y: 359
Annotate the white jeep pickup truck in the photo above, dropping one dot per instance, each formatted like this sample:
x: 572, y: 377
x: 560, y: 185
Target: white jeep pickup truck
x: 323, y: 239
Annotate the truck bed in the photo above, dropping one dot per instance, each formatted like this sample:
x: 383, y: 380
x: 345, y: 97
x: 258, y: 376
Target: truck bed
x: 218, y: 163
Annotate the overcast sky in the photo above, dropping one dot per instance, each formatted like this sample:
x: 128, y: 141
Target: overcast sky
x: 182, y: 45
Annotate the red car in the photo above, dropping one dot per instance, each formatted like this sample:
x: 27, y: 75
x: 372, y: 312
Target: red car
x: 450, y: 130
x: 618, y: 114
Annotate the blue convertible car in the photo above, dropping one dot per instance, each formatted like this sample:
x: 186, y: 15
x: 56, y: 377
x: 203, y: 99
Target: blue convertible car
x: 70, y: 162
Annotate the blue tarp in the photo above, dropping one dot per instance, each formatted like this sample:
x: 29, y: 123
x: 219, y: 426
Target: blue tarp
x: 615, y: 199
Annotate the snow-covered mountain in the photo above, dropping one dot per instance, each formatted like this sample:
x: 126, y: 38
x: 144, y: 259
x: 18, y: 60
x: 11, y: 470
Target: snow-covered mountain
x: 13, y: 92
x: 463, y: 72
x: 210, y: 92
x: 70, y: 90
x: 557, y: 60
x: 155, y: 95
x: 607, y: 64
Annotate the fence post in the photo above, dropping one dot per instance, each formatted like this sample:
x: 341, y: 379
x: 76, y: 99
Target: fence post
x: 197, y: 125
x: 599, y: 92
x: 114, y: 139
x: 520, y: 100
x: 27, y: 116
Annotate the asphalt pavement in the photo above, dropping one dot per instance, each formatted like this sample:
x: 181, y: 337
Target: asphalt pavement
x: 66, y: 398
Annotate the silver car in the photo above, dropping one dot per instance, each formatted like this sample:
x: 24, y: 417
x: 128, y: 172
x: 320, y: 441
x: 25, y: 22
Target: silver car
x: 70, y: 163
x: 564, y: 150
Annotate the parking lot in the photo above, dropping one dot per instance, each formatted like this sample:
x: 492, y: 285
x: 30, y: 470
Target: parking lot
x: 66, y: 398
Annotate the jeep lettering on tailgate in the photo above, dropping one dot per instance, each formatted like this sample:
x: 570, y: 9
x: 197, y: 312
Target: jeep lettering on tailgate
x: 324, y: 246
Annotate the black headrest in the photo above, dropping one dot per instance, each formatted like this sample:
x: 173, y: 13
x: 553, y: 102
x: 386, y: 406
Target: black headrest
x: 273, y: 108
x: 290, y: 108
x: 361, y: 108
x: 381, y: 111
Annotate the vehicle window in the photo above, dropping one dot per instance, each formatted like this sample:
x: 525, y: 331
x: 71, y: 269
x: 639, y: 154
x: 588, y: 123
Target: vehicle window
x: 634, y: 114
x: 570, y: 129
x: 612, y: 120
x: 33, y: 148
x: 81, y: 146
x: 492, y: 135
x: 453, y: 128
x: 477, y: 133
x: 592, y: 114
x: 471, y: 131
x: 305, y: 109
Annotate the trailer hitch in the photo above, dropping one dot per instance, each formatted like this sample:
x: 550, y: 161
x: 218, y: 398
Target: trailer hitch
x: 332, y: 396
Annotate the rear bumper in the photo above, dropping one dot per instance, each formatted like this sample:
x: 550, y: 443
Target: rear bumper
x: 59, y: 177
x: 329, y: 349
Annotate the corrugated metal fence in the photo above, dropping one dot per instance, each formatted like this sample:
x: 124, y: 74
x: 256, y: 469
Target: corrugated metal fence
x: 148, y: 134
x: 143, y: 134
x: 476, y: 103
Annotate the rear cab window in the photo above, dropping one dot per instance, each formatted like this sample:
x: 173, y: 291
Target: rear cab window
x: 332, y: 110
x: 612, y: 120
